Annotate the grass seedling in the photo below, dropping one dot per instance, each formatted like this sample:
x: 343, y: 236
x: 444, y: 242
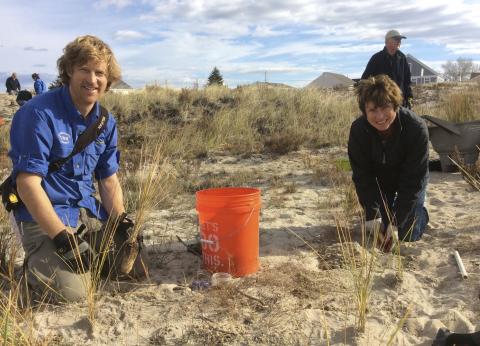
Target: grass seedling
x: 362, y: 263
x: 399, y: 325
x: 155, y: 176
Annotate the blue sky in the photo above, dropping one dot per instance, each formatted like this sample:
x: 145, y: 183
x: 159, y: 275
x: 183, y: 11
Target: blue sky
x: 179, y: 42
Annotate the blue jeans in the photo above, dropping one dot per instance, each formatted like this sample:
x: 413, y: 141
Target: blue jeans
x: 414, y: 226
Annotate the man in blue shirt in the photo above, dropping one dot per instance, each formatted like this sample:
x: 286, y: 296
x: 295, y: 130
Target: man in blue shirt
x: 38, y: 84
x: 45, y: 130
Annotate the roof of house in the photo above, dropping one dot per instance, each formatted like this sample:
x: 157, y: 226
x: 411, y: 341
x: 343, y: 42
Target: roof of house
x: 431, y: 70
x: 273, y: 85
x: 330, y: 80
x: 475, y: 75
x: 120, y: 84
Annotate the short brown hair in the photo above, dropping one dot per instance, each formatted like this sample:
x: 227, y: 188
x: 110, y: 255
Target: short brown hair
x: 80, y: 51
x: 380, y: 90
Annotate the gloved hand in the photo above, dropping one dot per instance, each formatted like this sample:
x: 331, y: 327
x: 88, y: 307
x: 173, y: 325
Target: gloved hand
x: 131, y: 261
x: 388, y: 239
x: 124, y: 225
x: 373, y: 225
x: 74, y: 251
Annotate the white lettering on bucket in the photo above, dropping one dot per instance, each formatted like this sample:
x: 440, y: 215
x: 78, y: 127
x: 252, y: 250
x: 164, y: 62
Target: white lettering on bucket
x: 211, y: 243
x: 208, y: 237
x: 214, y: 246
x: 212, y: 260
x: 209, y: 227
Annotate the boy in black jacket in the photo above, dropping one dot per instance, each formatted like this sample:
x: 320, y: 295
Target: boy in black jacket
x: 388, y: 152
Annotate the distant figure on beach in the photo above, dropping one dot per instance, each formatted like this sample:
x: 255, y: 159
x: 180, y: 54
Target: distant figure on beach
x: 388, y: 152
x: 12, y: 84
x: 60, y: 142
x: 392, y: 62
x: 38, y: 84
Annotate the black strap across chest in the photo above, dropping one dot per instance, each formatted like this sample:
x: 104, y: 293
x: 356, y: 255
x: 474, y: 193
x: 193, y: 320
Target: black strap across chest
x: 87, y: 137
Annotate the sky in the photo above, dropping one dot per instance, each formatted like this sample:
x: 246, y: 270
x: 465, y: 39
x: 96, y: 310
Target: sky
x: 178, y: 43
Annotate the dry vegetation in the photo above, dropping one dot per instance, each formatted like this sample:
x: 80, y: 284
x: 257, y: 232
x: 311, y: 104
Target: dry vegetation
x: 190, y: 126
x: 454, y: 102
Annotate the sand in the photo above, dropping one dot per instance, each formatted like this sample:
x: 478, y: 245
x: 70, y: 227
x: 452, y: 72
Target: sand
x: 296, y: 297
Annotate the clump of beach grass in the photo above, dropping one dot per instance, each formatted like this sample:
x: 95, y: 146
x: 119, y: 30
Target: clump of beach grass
x: 156, y: 175
x: 462, y: 107
x: 16, y: 312
x: 455, y: 102
x: 362, y: 263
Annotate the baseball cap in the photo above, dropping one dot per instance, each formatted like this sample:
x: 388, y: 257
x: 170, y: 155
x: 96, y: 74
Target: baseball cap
x: 393, y: 34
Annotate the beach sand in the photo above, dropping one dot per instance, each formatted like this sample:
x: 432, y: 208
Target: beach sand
x: 303, y: 293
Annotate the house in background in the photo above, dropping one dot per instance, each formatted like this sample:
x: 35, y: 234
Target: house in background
x: 421, y: 73
x: 121, y: 87
x: 330, y: 80
x: 475, y: 75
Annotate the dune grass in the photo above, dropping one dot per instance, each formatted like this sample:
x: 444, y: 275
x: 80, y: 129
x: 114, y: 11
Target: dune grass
x: 241, y: 121
x: 362, y: 263
x: 455, y: 102
x: 155, y: 177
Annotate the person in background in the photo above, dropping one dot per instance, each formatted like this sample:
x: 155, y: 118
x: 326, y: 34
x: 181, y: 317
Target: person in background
x: 393, y: 63
x: 388, y: 153
x: 56, y: 200
x: 12, y: 84
x: 38, y: 84
x: 23, y: 97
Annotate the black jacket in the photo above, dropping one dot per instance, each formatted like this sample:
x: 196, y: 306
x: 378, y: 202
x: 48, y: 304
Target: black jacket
x: 396, y: 67
x: 12, y: 84
x: 400, y: 164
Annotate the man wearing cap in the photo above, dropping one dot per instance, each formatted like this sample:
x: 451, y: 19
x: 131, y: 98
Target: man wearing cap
x: 392, y: 62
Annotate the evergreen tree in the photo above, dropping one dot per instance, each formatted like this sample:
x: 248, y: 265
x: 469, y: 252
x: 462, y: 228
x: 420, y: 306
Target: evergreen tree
x: 57, y: 83
x: 215, y: 77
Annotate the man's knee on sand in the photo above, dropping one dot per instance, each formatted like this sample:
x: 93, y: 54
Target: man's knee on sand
x: 47, y: 274
x: 49, y: 277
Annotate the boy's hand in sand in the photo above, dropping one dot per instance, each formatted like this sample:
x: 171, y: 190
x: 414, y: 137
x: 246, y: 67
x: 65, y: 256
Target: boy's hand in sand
x: 372, y: 226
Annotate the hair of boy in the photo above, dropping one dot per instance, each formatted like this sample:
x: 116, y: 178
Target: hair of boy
x: 380, y: 90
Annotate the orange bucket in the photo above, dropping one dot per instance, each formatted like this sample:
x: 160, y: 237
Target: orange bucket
x: 228, y: 219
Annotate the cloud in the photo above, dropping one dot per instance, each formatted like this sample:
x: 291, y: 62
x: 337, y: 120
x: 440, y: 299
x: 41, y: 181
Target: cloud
x: 33, y: 49
x: 316, y: 48
x: 326, y: 18
x: 267, y: 31
x: 114, y: 3
x: 462, y: 50
x: 128, y: 35
x: 181, y: 40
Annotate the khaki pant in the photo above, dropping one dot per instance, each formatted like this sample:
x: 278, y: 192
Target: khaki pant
x: 48, y: 275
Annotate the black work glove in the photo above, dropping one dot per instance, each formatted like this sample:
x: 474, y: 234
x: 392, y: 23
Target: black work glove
x: 74, y: 251
x: 125, y: 225
x: 125, y: 228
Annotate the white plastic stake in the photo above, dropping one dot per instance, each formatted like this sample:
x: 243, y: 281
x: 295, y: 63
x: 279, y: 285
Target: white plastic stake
x: 460, y: 265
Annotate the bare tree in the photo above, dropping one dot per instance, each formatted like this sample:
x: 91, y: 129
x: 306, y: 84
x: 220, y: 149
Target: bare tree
x: 458, y: 70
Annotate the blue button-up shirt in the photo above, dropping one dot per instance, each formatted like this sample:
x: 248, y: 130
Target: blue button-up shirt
x: 45, y: 130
